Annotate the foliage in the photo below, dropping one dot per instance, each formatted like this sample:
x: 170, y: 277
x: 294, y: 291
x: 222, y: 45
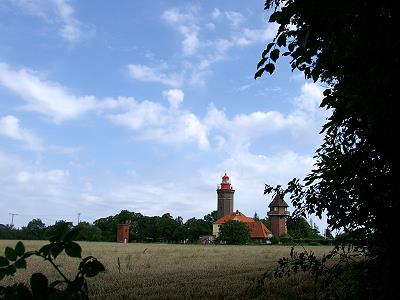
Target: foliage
x: 40, y: 288
x: 88, y: 232
x: 234, y: 233
x: 352, y: 47
x: 211, y: 217
x: 195, y: 228
x: 36, y: 228
x: 298, y: 227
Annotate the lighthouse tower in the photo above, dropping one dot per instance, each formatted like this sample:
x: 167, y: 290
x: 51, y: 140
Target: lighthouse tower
x: 225, y: 197
x: 278, y: 214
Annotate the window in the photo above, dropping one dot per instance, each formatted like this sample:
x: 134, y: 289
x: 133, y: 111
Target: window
x: 275, y: 208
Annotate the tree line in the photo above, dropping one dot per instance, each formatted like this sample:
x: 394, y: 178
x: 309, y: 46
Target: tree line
x: 163, y: 228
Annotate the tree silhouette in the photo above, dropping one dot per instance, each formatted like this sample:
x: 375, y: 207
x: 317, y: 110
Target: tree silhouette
x: 351, y: 47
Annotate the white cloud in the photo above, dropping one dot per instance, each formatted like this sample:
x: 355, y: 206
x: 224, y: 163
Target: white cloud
x: 30, y: 189
x: 186, y: 24
x: 48, y: 98
x: 50, y: 178
x: 145, y: 73
x: 249, y: 36
x: 71, y: 30
x: 175, y: 97
x: 10, y: 127
x: 170, y: 125
x: 57, y: 12
x: 310, y: 97
x: 235, y: 18
x: 216, y: 13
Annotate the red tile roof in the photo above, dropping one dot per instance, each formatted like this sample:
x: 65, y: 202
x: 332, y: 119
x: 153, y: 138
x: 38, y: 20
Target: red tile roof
x: 257, y: 228
x: 238, y: 216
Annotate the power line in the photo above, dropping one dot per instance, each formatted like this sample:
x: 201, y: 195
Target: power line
x: 12, y: 218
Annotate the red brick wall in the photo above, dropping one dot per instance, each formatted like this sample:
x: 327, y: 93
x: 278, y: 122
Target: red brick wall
x: 123, y: 233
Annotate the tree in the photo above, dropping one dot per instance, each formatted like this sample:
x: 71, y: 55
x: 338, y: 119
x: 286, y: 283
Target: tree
x: 167, y: 227
x: 299, y: 228
x: 211, y: 217
x: 328, y: 234
x: 88, y: 232
x: 351, y: 47
x: 36, y: 228
x: 256, y: 217
x: 196, y: 228
x: 234, y: 233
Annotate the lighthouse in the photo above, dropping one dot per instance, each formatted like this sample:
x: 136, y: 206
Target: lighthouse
x: 225, y: 197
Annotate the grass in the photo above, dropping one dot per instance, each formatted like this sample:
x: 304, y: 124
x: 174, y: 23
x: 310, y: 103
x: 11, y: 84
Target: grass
x: 166, y: 271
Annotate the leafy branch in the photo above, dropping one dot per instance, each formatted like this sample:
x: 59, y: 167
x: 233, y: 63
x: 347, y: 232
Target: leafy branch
x: 40, y: 288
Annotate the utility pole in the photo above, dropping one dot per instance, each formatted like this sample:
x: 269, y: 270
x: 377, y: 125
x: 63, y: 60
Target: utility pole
x: 79, y: 214
x: 12, y: 218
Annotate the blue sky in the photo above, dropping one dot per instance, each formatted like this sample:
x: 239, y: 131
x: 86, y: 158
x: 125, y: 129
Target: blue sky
x: 143, y: 105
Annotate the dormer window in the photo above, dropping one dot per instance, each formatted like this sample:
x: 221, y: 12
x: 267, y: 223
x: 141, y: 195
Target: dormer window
x: 276, y: 208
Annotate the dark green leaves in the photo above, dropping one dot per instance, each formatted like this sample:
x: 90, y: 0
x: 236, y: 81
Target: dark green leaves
x: 39, y: 285
x: 259, y: 73
x: 90, y: 266
x: 19, y: 248
x: 20, y: 264
x: 269, y: 46
x: 275, y: 17
x: 3, y: 261
x: 73, y: 249
x: 56, y: 249
x: 10, y: 254
x: 41, y: 289
x: 281, y: 41
x: 270, y: 68
x: 274, y: 54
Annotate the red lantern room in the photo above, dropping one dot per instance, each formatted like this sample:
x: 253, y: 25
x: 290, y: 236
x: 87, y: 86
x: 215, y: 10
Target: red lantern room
x: 226, y: 183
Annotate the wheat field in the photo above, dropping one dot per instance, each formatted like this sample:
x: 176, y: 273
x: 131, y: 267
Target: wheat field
x: 166, y: 271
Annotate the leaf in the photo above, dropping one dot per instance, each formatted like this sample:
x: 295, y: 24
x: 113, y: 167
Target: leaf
x: 20, y: 248
x: 92, y: 267
x: 270, y: 68
x: 55, y: 283
x: 2, y: 273
x: 20, y: 264
x: 39, y: 286
x: 10, y: 254
x: 73, y: 249
x: 45, y: 250
x: 275, y: 54
x: 265, y: 52
x: 71, y: 235
x: 281, y: 41
x: 56, y: 249
x: 261, y: 62
x: 77, y: 284
x: 10, y: 270
x: 259, y: 73
x: 4, y: 261
x: 327, y: 92
x: 275, y: 17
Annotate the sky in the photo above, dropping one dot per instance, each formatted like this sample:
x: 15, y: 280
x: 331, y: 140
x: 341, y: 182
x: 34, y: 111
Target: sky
x: 144, y: 105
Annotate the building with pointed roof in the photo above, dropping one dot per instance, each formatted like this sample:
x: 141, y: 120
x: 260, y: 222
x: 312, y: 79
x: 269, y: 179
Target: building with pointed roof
x: 278, y: 214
